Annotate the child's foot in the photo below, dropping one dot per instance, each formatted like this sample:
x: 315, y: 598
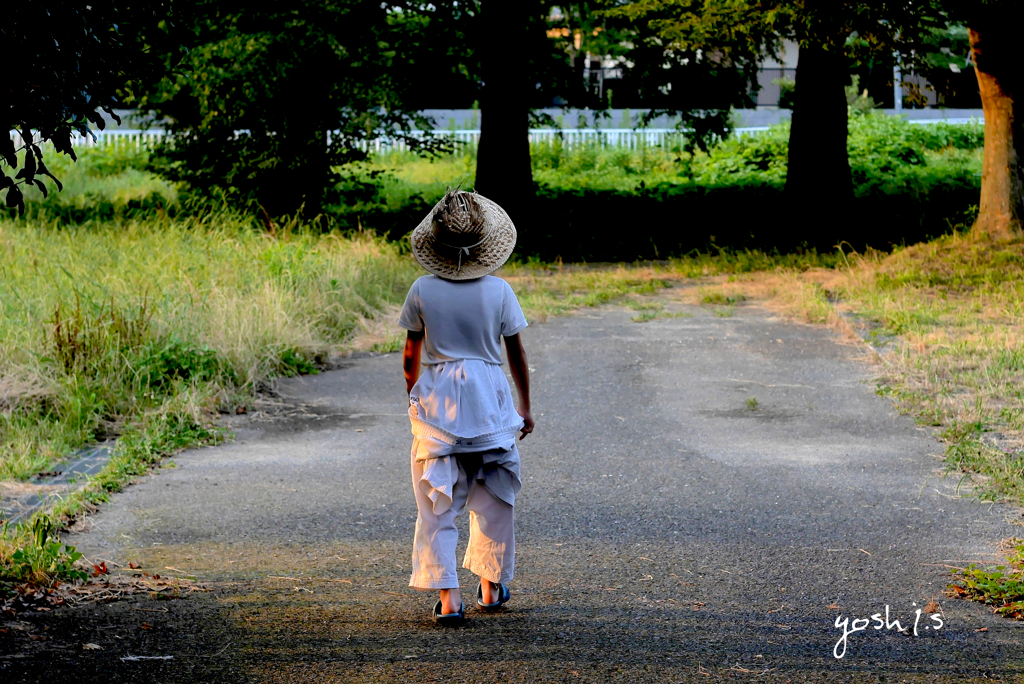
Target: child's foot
x: 488, y: 591
x: 451, y: 601
x: 442, y: 618
x: 491, y: 596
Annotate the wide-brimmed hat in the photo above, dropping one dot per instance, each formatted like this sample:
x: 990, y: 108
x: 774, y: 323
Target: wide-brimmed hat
x: 465, y: 236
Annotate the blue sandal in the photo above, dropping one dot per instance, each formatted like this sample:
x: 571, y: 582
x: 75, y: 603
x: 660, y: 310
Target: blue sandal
x: 503, y: 596
x: 449, y: 618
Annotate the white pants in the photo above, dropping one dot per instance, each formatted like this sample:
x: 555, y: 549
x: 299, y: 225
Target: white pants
x: 492, y: 543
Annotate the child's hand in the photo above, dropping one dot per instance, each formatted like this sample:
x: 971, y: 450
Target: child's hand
x: 527, y: 424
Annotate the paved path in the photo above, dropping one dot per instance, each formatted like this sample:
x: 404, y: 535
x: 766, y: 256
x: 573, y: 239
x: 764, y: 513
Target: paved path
x: 666, y: 531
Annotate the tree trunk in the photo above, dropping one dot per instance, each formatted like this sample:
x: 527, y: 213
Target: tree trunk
x: 1002, y: 187
x: 297, y: 183
x: 503, y: 171
x: 819, y: 185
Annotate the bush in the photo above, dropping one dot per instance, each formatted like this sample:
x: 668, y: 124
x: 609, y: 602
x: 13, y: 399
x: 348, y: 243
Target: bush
x: 106, y: 183
x: 599, y: 203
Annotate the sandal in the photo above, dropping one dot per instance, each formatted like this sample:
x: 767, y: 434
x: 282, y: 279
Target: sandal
x: 503, y: 596
x: 449, y: 618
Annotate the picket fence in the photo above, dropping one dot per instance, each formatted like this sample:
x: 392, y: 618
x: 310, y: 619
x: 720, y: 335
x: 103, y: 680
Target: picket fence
x: 466, y: 140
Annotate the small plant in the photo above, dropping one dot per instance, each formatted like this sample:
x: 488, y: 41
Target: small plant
x: 643, y: 306
x: 653, y: 315
x: 1001, y: 587
x: 393, y: 343
x: 46, y: 559
x: 721, y: 299
x: 752, y: 403
x: 293, y: 362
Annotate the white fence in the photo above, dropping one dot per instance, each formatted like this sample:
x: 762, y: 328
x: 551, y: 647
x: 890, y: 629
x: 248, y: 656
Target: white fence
x: 122, y: 137
x: 569, y: 137
x: 467, y: 139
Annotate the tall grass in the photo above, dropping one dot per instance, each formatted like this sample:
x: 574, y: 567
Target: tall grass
x: 102, y: 323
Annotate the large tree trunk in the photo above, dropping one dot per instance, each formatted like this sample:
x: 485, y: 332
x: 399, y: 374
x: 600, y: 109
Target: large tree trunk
x: 994, y: 50
x: 297, y: 185
x: 299, y: 178
x: 819, y: 186
x: 503, y: 171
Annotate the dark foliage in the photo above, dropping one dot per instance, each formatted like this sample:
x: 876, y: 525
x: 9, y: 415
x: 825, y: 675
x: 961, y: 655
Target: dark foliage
x: 658, y: 222
x: 74, y: 57
x: 280, y: 94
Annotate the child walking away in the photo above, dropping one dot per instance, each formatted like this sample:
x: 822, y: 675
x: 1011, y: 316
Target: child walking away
x: 464, y: 422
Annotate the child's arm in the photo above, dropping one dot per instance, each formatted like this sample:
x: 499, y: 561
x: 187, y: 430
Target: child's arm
x: 521, y: 374
x: 411, y: 358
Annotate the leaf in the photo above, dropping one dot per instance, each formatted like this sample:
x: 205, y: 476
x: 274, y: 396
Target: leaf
x: 44, y: 171
x: 61, y: 140
x: 42, y: 187
x: 96, y: 119
x: 91, y: 647
x: 14, y: 196
x: 28, y: 169
x: 7, y: 151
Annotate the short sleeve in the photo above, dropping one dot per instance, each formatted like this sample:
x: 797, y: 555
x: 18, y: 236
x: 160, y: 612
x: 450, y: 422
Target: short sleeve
x: 410, y: 318
x: 512, y: 319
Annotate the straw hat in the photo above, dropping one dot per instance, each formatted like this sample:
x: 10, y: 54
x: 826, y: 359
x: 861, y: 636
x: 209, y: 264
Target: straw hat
x: 465, y: 236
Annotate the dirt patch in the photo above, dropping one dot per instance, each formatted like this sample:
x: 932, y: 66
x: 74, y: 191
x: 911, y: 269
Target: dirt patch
x: 762, y: 415
x: 270, y: 417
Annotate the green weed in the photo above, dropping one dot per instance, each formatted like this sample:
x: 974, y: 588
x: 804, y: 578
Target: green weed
x: 392, y: 343
x: 1001, y: 586
x: 44, y: 558
x: 642, y: 306
x: 646, y: 316
x: 722, y: 299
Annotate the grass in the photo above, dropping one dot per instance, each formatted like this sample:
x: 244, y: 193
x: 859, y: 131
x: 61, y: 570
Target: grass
x: 883, y: 151
x: 144, y: 330
x: 105, y: 182
x: 104, y: 322
x: 646, y: 316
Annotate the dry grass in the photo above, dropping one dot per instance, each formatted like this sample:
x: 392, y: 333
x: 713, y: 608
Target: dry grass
x: 101, y: 324
x: 949, y: 315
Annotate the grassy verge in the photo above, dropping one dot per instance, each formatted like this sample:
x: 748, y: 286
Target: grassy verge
x: 145, y: 330
x: 949, y: 317
x: 554, y: 289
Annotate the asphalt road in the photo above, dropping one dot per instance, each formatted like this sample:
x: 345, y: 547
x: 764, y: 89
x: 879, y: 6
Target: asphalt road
x: 666, y: 530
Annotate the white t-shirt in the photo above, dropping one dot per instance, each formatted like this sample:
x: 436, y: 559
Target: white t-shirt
x: 463, y: 319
